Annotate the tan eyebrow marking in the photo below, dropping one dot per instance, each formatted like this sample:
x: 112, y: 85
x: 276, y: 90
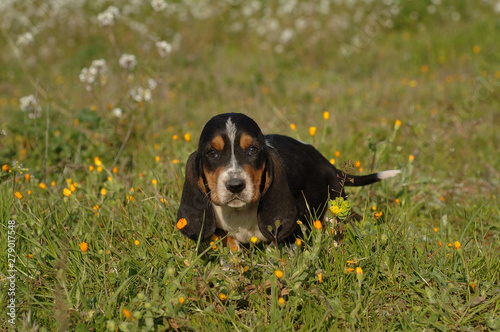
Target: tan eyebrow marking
x: 218, y: 143
x: 246, y: 141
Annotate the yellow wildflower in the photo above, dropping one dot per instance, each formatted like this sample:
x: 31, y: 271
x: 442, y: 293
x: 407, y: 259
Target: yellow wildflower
x: 279, y: 274
x: 126, y: 313
x: 42, y: 185
x: 18, y: 195
x: 457, y: 245
x: 181, y: 223
x: 222, y: 296
x: 312, y: 131
x: 317, y: 224
x: 84, y: 246
x: 67, y: 192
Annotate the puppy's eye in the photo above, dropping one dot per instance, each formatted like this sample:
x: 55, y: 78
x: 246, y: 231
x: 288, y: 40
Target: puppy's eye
x: 212, y: 153
x: 252, y: 151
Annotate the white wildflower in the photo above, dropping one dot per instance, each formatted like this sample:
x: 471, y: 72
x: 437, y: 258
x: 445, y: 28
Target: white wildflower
x: 158, y: 5
x: 140, y: 94
x: 152, y: 84
x: 30, y: 104
x: 25, y: 39
x: 117, y: 112
x: 128, y: 61
x: 164, y: 48
x: 89, y: 76
x: 86, y: 76
x: 27, y: 103
x: 100, y: 66
x: 286, y: 36
x: 108, y: 17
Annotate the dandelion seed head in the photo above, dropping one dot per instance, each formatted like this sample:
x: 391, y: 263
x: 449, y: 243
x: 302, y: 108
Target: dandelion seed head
x: 25, y: 39
x: 117, y: 112
x: 164, y: 48
x: 158, y: 5
x: 127, y: 61
x: 108, y: 17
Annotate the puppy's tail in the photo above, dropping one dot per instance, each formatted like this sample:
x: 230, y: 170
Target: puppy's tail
x: 363, y: 180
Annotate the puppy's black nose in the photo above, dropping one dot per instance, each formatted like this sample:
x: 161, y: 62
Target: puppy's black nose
x: 235, y: 185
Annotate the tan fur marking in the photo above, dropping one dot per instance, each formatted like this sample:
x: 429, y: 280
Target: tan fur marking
x: 246, y: 141
x: 218, y: 143
x: 201, y: 185
x: 256, y: 177
x: 212, y: 182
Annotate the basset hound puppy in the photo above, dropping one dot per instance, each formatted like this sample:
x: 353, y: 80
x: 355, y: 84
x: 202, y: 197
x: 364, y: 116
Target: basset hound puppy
x: 240, y: 181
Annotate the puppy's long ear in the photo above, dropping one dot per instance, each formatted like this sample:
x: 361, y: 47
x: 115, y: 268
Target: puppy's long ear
x: 277, y: 201
x: 195, y: 205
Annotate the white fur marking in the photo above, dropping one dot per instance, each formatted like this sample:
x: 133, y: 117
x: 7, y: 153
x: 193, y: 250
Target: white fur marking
x: 387, y: 174
x: 233, y: 170
x: 231, y: 133
x: 240, y: 224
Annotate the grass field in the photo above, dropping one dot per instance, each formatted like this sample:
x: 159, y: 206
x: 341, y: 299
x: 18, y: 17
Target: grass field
x: 101, y: 106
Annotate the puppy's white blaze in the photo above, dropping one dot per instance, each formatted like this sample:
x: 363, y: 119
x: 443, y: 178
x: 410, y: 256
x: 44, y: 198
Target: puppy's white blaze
x: 231, y: 133
x: 233, y: 170
x: 387, y: 174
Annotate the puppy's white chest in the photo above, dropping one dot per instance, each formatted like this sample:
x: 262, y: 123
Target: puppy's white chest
x: 240, y: 223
